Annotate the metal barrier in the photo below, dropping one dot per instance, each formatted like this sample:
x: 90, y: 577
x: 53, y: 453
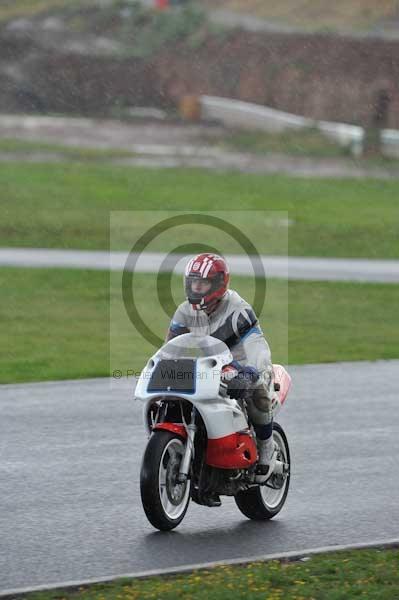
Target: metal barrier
x: 246, y: 115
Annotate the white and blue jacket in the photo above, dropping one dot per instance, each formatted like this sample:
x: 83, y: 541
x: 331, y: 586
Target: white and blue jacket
x: 234, y: 322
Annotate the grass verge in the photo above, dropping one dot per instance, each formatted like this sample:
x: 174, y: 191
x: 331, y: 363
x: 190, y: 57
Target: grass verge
x: 23, y: 148
x: 371, y: 574
x: 308, y: 142
x: 68, y: 206
x: 54, y: 323
x: 305, y: 143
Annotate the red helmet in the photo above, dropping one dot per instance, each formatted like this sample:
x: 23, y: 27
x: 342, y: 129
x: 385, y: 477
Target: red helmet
x: 205, y: 280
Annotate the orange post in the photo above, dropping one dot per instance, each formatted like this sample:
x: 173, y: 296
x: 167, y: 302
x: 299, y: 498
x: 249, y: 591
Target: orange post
x: 190, y: 108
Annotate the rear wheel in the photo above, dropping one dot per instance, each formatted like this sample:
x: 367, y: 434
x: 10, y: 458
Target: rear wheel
x: 263, y: 502
x: 165, y: 499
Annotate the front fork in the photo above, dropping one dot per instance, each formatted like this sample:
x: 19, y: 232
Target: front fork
x: 189, y: 450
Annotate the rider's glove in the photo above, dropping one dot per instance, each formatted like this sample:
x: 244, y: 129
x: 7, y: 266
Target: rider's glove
x: 240, y: 384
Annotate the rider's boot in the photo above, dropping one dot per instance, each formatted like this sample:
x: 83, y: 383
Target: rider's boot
x: 267, y: 450
x: 213, y: 500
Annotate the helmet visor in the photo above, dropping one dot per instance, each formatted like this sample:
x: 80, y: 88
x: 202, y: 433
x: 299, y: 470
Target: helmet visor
x: 197, y: 288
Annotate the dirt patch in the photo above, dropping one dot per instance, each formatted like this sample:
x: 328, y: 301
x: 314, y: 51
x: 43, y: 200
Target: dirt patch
x: 321, y: 77
x: 74, y: 67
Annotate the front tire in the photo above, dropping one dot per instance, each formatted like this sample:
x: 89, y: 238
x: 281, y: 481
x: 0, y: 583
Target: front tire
x: 262, y: 502
x: 165, y: 500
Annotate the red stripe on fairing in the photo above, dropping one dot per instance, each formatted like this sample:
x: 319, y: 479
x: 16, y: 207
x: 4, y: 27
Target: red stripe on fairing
x: 234, y: 451
x: 172, y: 427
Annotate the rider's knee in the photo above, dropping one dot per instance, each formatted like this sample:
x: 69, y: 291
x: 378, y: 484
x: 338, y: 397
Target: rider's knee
x: 261, y: 400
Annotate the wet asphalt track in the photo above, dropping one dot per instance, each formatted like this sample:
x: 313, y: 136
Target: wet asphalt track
x: 70, y: 456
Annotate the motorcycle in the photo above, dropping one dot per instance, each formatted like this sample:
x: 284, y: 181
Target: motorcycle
x: 202, y: 444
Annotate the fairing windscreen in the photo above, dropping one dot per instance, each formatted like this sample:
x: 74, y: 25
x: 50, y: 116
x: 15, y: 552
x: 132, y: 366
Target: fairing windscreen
x: 190, y: 345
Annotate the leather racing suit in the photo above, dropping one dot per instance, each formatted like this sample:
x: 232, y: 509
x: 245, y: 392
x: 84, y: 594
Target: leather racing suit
x: 234, y: 322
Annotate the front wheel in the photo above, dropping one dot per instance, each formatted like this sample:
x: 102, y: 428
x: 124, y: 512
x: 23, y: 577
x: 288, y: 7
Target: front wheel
x: 263, y: 502
x: 165, y: 499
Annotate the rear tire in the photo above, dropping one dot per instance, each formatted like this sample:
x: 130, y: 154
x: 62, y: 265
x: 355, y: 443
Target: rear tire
x: 261, y: 502
x: 165, y: 500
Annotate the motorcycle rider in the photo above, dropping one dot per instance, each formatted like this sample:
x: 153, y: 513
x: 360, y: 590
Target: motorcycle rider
x: 211, y: 308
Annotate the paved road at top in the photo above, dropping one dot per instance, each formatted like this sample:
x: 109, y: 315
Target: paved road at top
x: 282, y: 267
x: 70, y: 456
x: 251, y: 22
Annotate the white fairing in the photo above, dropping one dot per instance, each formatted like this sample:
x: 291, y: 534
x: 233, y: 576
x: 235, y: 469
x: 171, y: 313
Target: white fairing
x: 222, y: 415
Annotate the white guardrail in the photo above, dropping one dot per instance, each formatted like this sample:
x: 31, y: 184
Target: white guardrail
x: 246, y: 115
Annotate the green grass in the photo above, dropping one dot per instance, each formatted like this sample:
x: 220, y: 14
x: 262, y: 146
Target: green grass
x: 308, y: 142
x: 369, y: 574
x: 54, y: 323
x: 78, y: 153
x: 68, y: 206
